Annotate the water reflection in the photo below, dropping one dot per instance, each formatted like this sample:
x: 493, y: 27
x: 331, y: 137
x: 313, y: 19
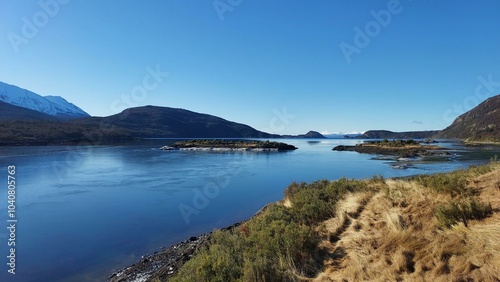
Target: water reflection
x: 85, y: 213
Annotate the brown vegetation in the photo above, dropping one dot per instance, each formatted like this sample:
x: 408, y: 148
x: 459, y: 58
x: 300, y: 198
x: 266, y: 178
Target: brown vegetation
x: 441, y: 227
x: 399, y: 236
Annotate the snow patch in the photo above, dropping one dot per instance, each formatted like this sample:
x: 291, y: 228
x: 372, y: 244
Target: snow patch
x: 52, y: 105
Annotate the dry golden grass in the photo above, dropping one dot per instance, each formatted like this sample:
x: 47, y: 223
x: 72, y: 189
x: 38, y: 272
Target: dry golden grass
x: 286, y: 202
x: 393, y: 235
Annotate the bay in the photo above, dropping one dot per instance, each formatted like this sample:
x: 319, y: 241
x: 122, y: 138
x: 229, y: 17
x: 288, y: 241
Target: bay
x: 85, y: 212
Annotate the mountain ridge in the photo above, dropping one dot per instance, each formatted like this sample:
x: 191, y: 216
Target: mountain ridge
x: 132, y: 123
x: 482, y: 123
x: 311, y: 134
x: 52, y: 119
x: 386, y: 134
x: 52, y: 105
x: 166, y: 122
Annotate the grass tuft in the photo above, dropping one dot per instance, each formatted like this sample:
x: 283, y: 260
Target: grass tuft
x: 462, y: 210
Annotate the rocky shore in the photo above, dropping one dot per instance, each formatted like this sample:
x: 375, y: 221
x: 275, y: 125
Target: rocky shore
x: 164, y: 263
x: 230, y: 145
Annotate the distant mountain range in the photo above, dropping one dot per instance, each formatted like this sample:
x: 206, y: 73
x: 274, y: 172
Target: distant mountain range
x: 482, y: 123
x: 339, y: 135
x: 54, y: 106
x: 311, y: 134
x: 28, y: 118
x: 386, y: 134
x: 140, y: 122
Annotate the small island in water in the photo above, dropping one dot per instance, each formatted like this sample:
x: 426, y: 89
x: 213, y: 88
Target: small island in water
x: 230, y: 145
x: 403, y: 148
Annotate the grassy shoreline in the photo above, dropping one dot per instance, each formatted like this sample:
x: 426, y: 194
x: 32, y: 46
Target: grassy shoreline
x: 491, y: 142
x: 350, y: 229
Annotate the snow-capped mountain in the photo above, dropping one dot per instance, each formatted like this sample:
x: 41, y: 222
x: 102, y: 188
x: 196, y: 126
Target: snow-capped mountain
x: 60, y: 101
x: 51, y: 105
x: 340, y: 135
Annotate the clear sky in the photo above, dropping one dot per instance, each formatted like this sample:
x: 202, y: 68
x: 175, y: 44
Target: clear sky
x: 285, y: 66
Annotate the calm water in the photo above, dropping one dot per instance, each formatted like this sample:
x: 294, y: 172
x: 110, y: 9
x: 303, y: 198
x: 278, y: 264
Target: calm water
x: 86, y: 212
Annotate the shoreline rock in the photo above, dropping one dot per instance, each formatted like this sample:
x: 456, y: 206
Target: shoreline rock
x: 401, y: 148
x: 225, y: 145
x: 165, y: 263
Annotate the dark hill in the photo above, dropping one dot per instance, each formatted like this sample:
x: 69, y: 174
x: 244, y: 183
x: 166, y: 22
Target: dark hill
x: 29, y: 128
x: 482, y: 123
x: 309, y: 135
x: 12, y: 112
x: 312, y: 134
x: 386, y: 134
x: 164, y: 122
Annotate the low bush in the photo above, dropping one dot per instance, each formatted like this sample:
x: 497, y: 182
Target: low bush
x: 279, y: 244
x: 454, y: 183
x: 270, y: 247
x: 462, y: 210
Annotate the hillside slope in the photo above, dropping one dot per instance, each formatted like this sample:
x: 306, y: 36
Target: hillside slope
x: 51, y: 105
x: 441, y: 227
x: 386, y: 134
x: 142, y: 122
x: 482, y: 123
x: 165, y: 122
x: 12, y: 112
x: 401, y: 233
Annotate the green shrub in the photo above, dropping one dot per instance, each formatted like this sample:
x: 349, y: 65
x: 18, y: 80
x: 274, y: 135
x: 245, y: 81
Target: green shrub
x: 454, y: 183
x: 275, y: 245
x: 462, y: 211
x: 378, y: 178
x: 480, y: 170
x: 277, y: 248
x: 294, y: 188
x: 222, y: 261
x: 270, y: 247
x: 315, y: 202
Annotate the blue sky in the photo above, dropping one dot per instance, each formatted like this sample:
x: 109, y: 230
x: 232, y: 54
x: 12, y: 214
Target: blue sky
x: 275, y: 65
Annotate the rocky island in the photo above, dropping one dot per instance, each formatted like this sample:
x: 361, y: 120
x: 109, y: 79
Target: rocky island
x: 230, y: 145
x: 402, y: 148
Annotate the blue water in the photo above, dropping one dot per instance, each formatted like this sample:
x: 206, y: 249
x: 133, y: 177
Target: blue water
x: 85, y: 212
